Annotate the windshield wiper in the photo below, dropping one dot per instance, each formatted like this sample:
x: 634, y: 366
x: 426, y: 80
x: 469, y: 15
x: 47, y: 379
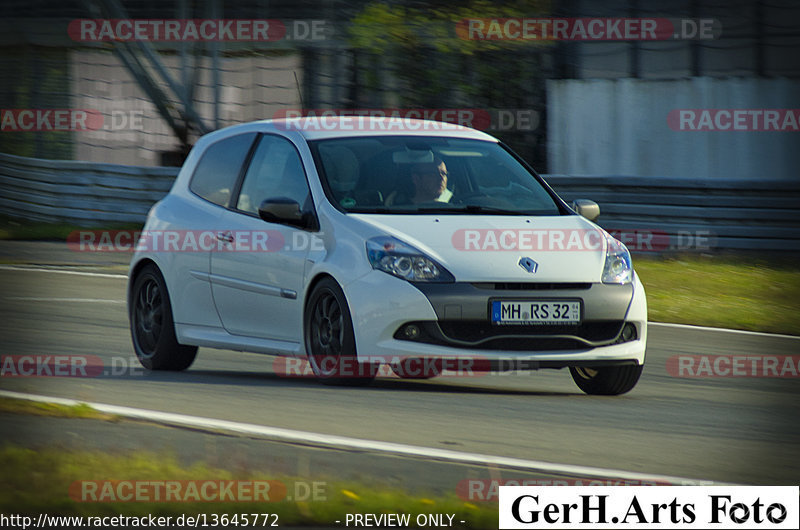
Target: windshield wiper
x: 469, y: 209
x: 475, y: 208
x: 377, y: 209
x: 459, y: 210
x: 438, y: 209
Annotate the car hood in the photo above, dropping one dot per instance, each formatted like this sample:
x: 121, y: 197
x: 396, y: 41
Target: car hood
x: 475, y: 248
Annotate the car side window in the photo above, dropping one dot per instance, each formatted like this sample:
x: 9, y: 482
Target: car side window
x: 275, y: 171
x: 216, y: 173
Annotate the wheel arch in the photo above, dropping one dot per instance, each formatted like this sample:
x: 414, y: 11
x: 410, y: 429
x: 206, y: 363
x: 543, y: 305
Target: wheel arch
x: 165, y: 352
x: 313, y: 284
x: 319, y: 277
x: 134, y: 273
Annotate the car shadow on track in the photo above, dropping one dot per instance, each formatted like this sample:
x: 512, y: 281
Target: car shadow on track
x: 447, y: 385
x: 443, y: 384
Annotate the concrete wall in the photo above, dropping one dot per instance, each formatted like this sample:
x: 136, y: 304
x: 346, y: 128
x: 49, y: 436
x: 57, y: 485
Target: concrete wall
x: 252, y: 88
x: 620, y: 127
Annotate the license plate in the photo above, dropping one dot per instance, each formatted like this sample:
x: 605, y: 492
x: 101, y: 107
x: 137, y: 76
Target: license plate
x: 536, y: 312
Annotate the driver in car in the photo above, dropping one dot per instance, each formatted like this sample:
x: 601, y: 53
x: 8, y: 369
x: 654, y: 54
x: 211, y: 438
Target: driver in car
x: 430, y: 185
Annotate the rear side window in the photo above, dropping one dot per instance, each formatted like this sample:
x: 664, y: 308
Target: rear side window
x: 217, y: 171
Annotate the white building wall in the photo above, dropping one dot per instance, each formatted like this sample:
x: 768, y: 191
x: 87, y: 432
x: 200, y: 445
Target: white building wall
x: 619, y: 127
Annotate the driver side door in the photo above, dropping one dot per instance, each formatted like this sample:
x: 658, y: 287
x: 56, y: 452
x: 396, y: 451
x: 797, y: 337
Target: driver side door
x: 257, y: 275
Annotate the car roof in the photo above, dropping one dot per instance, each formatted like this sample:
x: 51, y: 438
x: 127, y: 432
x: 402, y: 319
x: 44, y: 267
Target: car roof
x: 326, y: 127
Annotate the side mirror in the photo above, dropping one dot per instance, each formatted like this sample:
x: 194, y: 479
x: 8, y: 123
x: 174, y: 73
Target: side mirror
x: 586, y: 208
x: 283, y: 211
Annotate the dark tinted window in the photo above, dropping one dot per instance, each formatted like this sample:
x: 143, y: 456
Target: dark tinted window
x: 216, y: 173
x: 417, y: 174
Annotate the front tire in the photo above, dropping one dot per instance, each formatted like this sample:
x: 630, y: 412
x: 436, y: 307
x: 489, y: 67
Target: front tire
x: 606, y: 380
x: 329, y: 338
x: 152, y: 326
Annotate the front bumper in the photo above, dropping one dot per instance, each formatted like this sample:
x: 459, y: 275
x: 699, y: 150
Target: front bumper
x: 454, y: 322
x: 463, y: 311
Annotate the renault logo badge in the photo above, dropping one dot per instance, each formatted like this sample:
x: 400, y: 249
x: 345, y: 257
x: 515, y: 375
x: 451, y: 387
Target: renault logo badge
x: 528, y: 264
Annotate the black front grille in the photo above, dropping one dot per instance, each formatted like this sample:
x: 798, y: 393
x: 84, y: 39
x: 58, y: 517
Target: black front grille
x: 472, y: 331
x: 485, y: 336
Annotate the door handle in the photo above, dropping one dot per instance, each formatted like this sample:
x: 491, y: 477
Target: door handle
x: 225, y: 236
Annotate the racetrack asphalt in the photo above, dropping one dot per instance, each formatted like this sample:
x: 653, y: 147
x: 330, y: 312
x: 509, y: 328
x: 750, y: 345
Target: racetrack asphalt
x: 740, y: 430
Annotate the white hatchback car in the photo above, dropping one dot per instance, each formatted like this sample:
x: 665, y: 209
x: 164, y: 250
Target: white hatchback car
x: 350, y: 242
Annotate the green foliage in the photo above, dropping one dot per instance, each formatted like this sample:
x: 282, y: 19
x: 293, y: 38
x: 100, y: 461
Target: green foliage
x: 436, y: 66
x: 386, y: 28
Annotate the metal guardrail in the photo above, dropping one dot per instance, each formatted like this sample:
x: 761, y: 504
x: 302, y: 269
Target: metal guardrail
x: 81, y: 193
x: 693, y: 214
x: 658, y: 214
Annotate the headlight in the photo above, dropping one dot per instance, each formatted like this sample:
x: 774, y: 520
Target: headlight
x: 618, y: 268
x: 389, y: 254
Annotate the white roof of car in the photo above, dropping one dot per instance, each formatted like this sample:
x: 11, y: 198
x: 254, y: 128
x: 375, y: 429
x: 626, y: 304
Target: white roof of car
x: 325, y: 127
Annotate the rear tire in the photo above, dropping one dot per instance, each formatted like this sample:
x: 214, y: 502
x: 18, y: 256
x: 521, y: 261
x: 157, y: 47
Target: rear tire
x: 329, y: 338
x: 152, y: 326
x: 606, y: 380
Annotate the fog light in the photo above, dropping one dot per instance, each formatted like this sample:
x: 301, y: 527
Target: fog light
x: 411, y: 332
x: 628, y: 332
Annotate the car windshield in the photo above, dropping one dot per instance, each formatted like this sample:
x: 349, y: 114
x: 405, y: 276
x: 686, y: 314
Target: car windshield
x: 404, y: 174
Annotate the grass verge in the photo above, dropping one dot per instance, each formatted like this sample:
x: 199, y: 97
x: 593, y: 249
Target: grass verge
x: 35, y: 482
x: 23, y: 230
x: 35, y: 408
x: 730, y: 292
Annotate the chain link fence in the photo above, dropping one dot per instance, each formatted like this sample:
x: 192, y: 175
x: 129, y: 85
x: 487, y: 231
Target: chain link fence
x: 151, y: 101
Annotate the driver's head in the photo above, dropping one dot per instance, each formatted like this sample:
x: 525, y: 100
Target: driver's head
x: 430, y: 180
